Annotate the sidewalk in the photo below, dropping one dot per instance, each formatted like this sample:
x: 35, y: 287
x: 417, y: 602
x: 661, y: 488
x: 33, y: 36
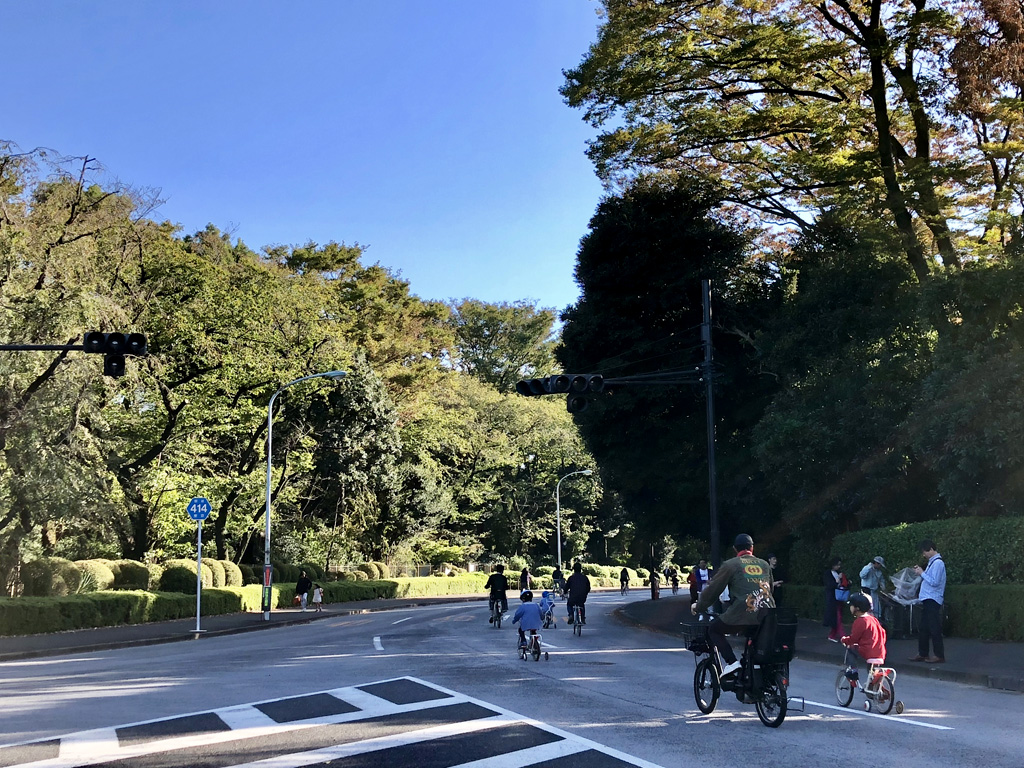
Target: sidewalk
x: 975, y: 662
x: 106, y: 638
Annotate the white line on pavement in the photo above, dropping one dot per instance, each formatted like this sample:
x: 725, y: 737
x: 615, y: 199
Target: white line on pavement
x: 401, y: 620
x: 890, y: 718
x: 376, y: 644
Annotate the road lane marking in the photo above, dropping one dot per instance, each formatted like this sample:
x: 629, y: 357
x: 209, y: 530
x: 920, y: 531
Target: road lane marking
x: 401, y: 620
x: 890, y: 718
x: 376, y: 643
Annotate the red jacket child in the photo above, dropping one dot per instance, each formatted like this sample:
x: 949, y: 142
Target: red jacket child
x: 867, y: 636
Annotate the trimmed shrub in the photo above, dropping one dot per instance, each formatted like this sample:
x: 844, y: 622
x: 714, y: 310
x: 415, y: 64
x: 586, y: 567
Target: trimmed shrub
x: 96, y: 576
x: 370, y: 569
x: 191, y: 565
x: 50, y: 577
x: 347, y: 576
x: 177, y: 578
x: 383, y: 570
x: 543, y: 570
x: 593, y: 569
x: 131, y: 574
x: 155, y: 572
x: 217, y: 570
x: 313, y: 571
x: 248, y: 574
x: 358, y: 575
x: 232, y: 574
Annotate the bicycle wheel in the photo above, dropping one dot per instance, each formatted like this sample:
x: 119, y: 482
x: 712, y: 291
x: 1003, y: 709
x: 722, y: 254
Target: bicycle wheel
x: 706, y: 686
x: 536, y: 650
x: 771, y: 706
x: 885, y: 697
x: 844, y: 689
x: 497, y: 619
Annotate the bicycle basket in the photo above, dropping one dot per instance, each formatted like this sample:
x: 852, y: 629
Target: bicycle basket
x: 696, y: 637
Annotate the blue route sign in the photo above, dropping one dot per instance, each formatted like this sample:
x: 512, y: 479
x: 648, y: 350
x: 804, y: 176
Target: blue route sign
x: 199, y: 508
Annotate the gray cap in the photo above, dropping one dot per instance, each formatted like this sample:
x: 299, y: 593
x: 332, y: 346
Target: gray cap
x: 880, y: 560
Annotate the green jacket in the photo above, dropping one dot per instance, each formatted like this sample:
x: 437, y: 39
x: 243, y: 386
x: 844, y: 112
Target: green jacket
x: 749, y: 580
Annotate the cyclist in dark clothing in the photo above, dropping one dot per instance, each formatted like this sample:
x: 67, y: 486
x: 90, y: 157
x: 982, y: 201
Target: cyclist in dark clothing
x: 497, y: 585
x: 577, y: 588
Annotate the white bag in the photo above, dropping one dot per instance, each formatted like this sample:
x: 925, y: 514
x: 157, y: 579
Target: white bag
x: 906, y: 584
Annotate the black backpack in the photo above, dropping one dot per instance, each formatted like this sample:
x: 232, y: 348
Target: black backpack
x: 775, y: 641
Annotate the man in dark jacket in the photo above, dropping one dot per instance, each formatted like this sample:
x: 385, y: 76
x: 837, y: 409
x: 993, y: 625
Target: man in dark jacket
x: 749, y: 580
x: 577, y: 588
x: 497, y: 586
x: 302, y: 587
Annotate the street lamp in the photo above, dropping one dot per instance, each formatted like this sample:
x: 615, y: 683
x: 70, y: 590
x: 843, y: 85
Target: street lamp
x: 266, y: 529
x: 558, y: 509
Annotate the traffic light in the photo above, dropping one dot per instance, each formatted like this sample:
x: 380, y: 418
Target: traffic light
x: 575, y: 385
x: 113, y: 347
x: 580, y: 385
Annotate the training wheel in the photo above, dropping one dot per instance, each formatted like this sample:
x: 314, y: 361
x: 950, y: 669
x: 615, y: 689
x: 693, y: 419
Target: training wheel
x: 899, y: 707
x: 547, y: 656
x: 867, y: 706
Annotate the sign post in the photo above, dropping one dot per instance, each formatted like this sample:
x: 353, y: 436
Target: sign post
x: 199, y: 509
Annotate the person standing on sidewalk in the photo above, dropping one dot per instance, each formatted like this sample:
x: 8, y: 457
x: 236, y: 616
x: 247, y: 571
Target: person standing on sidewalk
x: 837, y: 592
x: 872, y: 577
x: 302, y: 587
x: 933, y: 590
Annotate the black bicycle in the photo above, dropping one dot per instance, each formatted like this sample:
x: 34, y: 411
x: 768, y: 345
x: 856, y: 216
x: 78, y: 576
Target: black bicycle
x: 763, y: 676
x: 496, y: 613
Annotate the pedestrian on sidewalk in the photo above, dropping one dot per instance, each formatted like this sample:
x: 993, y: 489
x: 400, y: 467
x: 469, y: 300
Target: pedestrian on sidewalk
x: 318, y: 598
x: 302, y: 587
x: 699, y: 578
x: 525, y: 580
x: 837, y: 592
x: 933, y: 590
x: 872, y: 579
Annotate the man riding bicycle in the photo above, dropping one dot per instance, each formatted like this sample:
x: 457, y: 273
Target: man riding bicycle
x: 749, y: 580
x: 577, y: 588
x: 497, y: 584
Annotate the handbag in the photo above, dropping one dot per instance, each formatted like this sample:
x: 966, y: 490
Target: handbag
x: 842, y: 595
x: 298, y: 599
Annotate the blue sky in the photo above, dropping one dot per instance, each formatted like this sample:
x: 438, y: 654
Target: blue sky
x: 430, y: 131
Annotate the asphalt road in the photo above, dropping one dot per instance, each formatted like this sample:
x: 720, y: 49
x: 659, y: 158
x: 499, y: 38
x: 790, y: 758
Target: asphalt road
x: 615, y: 696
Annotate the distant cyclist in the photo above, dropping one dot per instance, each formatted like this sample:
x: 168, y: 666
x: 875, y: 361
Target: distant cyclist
x: 577, y: 588
x: 624, y: 581
x: 558, y: 578
x: 497, y: 585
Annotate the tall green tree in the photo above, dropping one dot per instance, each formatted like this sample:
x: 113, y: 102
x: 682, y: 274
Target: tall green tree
x: 639, y: 269
x: 800, y: 107
x: 502, y: 343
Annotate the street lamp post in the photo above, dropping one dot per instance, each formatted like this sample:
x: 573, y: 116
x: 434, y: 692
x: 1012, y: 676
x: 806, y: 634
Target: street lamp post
x: 266, y: 522
x: 558, y: 509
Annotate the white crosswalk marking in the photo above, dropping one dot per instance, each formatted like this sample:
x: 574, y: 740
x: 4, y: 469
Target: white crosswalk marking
x: 396, y: 717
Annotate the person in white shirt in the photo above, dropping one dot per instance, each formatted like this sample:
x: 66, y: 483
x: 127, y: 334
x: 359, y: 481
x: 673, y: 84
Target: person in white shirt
x: 933, y: 587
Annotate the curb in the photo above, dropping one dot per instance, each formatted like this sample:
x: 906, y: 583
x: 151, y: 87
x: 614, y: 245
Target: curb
x: 995, y: 682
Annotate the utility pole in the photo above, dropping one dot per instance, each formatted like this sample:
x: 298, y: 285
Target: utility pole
x: 705, y: 332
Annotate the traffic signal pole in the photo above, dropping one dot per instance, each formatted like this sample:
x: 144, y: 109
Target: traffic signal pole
x: 705, y: 332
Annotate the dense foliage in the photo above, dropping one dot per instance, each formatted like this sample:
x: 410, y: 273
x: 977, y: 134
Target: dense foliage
x: 416, y: 454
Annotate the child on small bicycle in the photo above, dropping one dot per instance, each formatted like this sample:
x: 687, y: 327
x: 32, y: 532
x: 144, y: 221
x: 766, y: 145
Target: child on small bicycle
x: 866, y: 640
x: 547, y: 609
x: 527, y: 616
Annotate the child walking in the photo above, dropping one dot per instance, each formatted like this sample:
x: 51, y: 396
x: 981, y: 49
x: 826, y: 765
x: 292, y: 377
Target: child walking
x: 318, y: 598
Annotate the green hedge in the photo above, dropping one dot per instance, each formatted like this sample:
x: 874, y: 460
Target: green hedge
x: 97, y: 576
x: 33, y: 615
x: 976, y: 550
x: 232, y: 574
x: 50, y: 577
x: 986, y: 611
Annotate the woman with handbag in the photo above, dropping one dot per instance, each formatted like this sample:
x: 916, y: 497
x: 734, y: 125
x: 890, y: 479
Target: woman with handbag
x: 837, y: 592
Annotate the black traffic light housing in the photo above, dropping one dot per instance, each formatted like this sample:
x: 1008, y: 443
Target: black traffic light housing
x: 575, y: 385
x: 113, y: 347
